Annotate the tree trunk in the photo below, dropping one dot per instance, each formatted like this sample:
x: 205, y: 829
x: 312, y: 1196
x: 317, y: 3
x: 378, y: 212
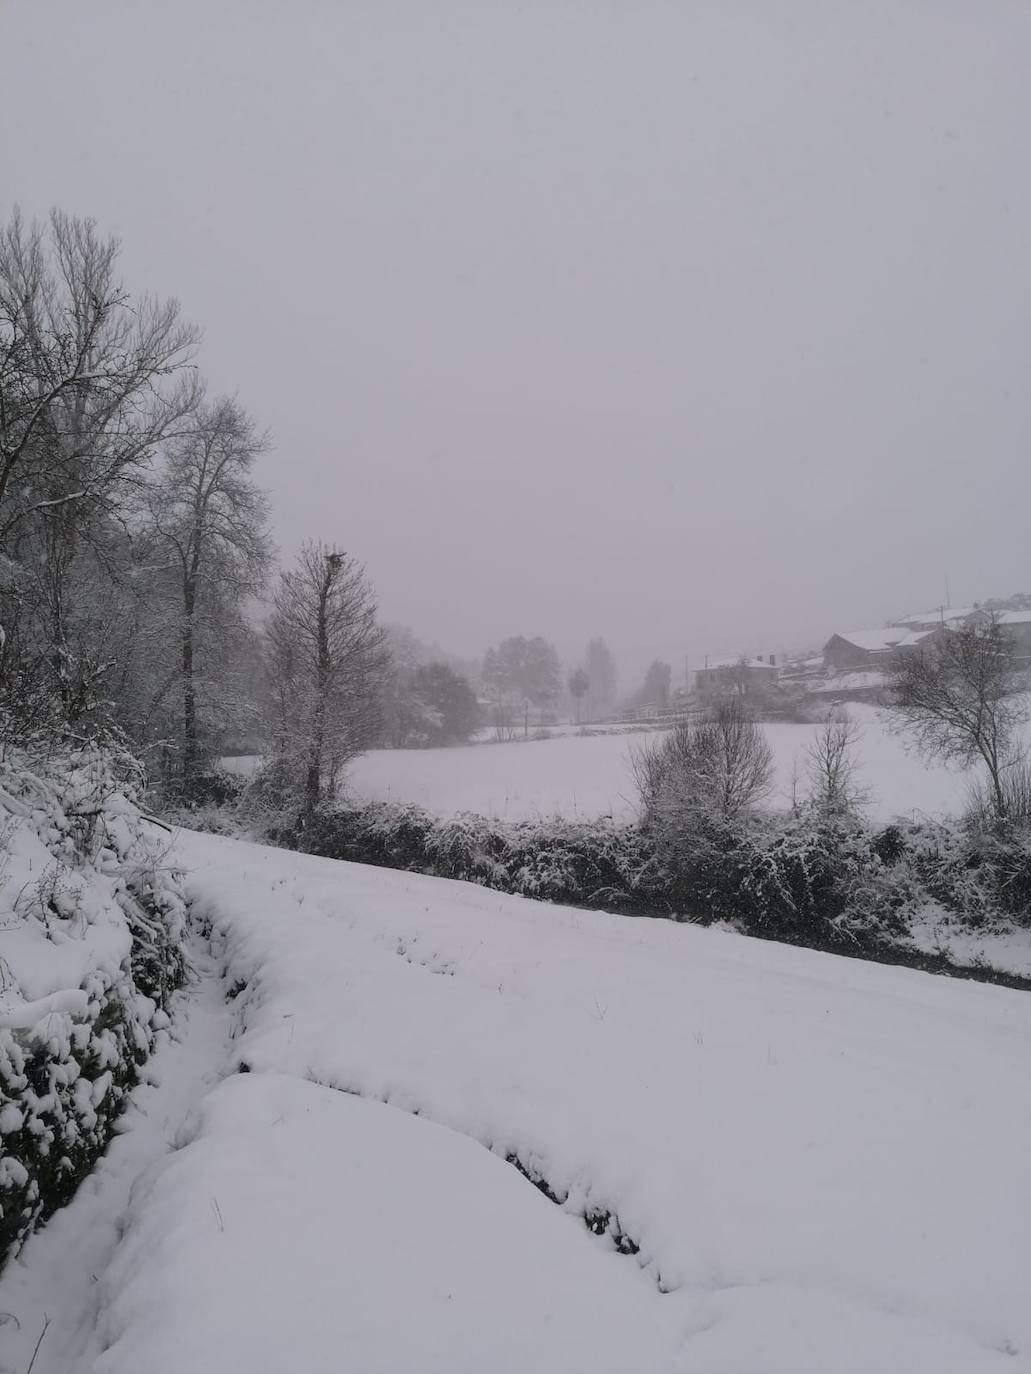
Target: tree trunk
x: 992, y: 759
x: 189, y: 688
x: 313, y: 780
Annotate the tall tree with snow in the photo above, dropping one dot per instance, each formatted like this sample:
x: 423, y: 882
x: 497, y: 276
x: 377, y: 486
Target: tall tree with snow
x: 522, y: 669
x: 654, y: 691
x: 327, y: 660
x: 451, y: 700
x: 210, y: 517
x: 92, y: 380
x: 578, y: 684
x: 601, y: 669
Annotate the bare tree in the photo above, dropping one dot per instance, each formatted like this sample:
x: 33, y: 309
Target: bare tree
x: 522, y: 669
x: 327, y: 660
x: 734, y: 759
x: 91, y: 381
x: 831, y: 768
x: 84, y: 371
x: 957, y: 698
x: 601, y: 670
x: 405, y: 716
x: 210, y: 517
x: 722, y: 767
x: 578, y: 684
x: 982, y: 807
x: 653, y: 693
x: 660, y: 765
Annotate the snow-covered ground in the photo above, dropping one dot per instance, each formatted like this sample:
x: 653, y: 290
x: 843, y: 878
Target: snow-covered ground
x: 54, y: 1287
x: 592, y: 776
x: 824, y: 1163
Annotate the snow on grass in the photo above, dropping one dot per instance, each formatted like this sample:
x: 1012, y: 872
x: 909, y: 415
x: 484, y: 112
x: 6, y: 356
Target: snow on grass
x: 585, y: 776
x: 824, y: 1162
x: 589, y: 776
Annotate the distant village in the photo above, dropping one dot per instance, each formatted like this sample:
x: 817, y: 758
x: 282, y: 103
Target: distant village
x: 852, y: 665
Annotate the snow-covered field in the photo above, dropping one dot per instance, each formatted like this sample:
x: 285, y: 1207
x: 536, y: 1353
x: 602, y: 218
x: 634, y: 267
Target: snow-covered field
x: 592, y: 776
x: 824, y: 1163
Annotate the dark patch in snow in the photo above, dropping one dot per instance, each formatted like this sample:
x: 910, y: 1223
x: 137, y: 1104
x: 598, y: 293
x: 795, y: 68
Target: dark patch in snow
x: 598, y: 1220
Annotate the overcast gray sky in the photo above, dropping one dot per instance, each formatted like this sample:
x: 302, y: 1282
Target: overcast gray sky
x: 701, y: 326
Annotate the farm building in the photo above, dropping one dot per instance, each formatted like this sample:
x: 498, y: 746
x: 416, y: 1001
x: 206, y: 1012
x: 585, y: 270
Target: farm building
x: 862, y: 650
x: 745, y: 676
x: 1017, y: 625
x: 952, y: 618
x: 859, y: 649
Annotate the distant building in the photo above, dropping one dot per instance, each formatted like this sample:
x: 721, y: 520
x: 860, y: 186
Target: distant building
x: 858, y: 649
x: 1017, y: 625
x: 744, y: 676
x: 862, y: 650
x: 953, y: 618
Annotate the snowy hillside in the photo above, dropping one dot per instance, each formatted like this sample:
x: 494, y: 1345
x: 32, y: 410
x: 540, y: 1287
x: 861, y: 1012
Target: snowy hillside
x: 809, y: 1164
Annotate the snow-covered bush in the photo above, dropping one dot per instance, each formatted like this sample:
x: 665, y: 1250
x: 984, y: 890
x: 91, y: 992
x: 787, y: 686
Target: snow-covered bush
x: 580, y: 863
x: 721, y: 767
x: 467, y: 846
x: 214, y: 804
x: 794, y: 875
x: 1009, y: 859
x: 596, y: 863
x: 782, y: 876
x: 91, y: 927
x: 390, y: 836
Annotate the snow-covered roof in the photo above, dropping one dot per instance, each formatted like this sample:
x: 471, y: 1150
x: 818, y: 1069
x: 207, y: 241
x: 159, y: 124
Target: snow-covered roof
x: 874, y: 640
x: 940, y: 615
x: 914, y: 637
x: 738, y: 662
x: 1015, y: 617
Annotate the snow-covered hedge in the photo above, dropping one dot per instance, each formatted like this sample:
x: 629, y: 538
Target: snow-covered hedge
x: 599, y: 863
x: 91, y: 926
x: 829, y: 881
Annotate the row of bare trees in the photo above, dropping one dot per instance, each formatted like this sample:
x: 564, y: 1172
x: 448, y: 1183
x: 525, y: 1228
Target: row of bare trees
x: 134, y: 542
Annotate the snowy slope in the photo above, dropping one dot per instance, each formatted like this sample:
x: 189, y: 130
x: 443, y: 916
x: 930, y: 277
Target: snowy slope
x: 306, y: 1230
x: 824, y: 1163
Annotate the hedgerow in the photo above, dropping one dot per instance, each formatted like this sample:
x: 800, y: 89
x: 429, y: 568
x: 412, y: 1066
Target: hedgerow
x: 809, y: 876
x: 92, y: 917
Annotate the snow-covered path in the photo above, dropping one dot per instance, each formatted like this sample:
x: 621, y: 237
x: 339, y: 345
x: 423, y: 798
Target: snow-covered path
x: 54, y: 1282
